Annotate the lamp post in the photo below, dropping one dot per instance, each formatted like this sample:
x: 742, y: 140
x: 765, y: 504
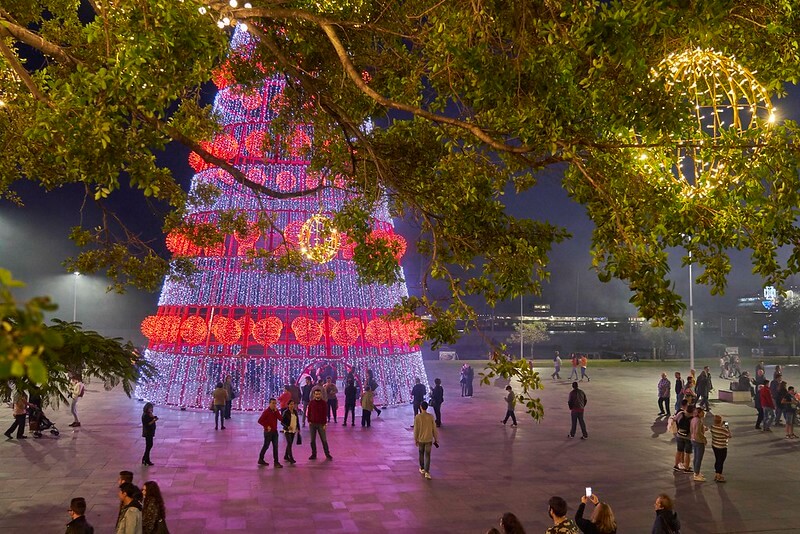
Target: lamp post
x: 521, y: 331
x: 691, y: 315
x: 75, y: 276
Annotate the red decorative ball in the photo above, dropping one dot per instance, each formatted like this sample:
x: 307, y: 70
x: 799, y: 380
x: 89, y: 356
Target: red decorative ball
x: 180, y: 245
x: 300, y: 144
x: 346, y: 331
x: 226, y: 330
x: 377, y: 332
x: 255, y: 145
x: 307, y: 331
x: 267, y: 331
x: 194, y: 330
x: 286, y: 181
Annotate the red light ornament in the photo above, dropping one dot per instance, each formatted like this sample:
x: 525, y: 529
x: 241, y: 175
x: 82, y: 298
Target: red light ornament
x: 194, y: 330
x: 267, y: 331
x: 226, y: 330
x: 307, y: 331
x: 377, y: 332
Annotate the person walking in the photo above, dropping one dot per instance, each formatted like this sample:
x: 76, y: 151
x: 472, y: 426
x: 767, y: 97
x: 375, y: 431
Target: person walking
x: 584, y: 362
x: 666, y: 521
x: 350, y: 394
x: 220, y: 397
x: 557, y: 510
x: 703, y: 388
x: 663, y: 395
x: 367, y: 405
x: 130, y: 516
x: 698, y: 435
x: 575, y: 362
x: 425, y: 436
x: 577, y: 404
x: 333, y: 402
x: 556, y: 367
x: 720, y: 434
x: 148, y: 431
x: 767, y: 406
x: 20, y: 411
x: 78, y: 523
x: 511, y: 402
x: 229, y: 389
x: 373, y: 386
x: 678, y: 391
x: 602, y: 521
x: 437, y: 399
x: 291, y: 428
x: 269, y: 420
x: 317, y: 422
x: 417, y: 395
x: 154, y: 513
x: 76, y: 391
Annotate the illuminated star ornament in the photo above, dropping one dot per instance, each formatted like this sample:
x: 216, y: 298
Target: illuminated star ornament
x: 234, y: 315
x: 729, y: 114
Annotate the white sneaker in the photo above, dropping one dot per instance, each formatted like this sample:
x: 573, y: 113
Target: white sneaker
x: 422, y: 471
x: 427, y: 475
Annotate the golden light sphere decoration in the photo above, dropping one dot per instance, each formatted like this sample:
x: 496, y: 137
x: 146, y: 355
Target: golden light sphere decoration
x: 731, y: 112
x: 319, y: 240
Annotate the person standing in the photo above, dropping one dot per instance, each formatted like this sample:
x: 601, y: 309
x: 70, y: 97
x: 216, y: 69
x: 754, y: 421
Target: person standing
x: 577, y: 404
x: 305, y: 393
x: 220, y: 398
x: 602, y: 521
x: 787, y: 404
x: 425, y: 436
x: 367, y: 405
x: 417, y: 395
x: 663, y: 395
x: 774, y: 388
x: 688, y: 390
x: 575, y: 361
x: 683, y: 438
x: 666, y: 521
x: 557, y: 510
x: 720, y: 434
x: 557, y: 367
x: 148, y: 431
x: 76, y: 391
x: 333, y: 402
x: 154, y: 513
x: 703, y: 388
x: 470, y: 379
x: 20, y: 410
x: 698, y: 435
x: 269, y: 420
x: 437, y: 399
x: 584, y: 363
x: 462, y: 381
x: 229, y: 389
x: 78, y: 523
x: 373, y: 386
x: 350, y: 394
x: 678, y: 391
x: 291, y: 427
x: 130, y: 516
x: 511, y: 402
x: 317, y: 422
x: 767, y: 405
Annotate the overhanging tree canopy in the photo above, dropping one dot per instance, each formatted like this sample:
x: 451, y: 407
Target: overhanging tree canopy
x: 471, y: 100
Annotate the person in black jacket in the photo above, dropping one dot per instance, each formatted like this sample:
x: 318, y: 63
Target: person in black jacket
x: 437, y: 398
x: 79, y: 524
x: 667, y: 521
x: 290, y: 421
x: 602, y: 521
x: 678, y: 391
x: 148, y: 431
x: 350, y: 395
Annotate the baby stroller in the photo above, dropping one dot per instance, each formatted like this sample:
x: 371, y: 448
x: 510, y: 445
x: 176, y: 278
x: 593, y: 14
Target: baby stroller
x: 38, y: 422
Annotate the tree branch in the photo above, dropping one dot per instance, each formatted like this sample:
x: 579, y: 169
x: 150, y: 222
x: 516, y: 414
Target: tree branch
x: 26, y: 78
x: 10, y: 29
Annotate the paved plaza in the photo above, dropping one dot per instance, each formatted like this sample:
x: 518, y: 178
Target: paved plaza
x: 211, y: 482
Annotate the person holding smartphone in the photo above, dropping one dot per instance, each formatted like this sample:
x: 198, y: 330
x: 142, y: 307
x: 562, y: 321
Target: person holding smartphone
x: 720, y: 434
x: 602, y: 521
x: 148, y: 431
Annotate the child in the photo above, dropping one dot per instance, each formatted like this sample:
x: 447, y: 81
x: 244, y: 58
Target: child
x: 367, y: 405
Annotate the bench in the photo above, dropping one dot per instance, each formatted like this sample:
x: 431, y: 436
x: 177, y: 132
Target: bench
x: 734, y: 396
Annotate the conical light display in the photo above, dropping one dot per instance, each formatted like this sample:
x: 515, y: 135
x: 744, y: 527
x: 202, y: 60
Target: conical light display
x: 263, y: 328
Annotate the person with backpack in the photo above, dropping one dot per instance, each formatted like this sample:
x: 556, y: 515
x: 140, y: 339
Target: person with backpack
x: 666, y: 521
x: 76, y: 391
x: 683, y: 420
x: 577, y: 404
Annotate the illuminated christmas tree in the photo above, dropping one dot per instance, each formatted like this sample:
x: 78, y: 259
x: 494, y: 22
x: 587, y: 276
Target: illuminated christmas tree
x: 263, y: 328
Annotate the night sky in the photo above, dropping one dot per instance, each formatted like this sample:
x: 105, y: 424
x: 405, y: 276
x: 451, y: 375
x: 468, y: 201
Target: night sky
x: 33, y: 244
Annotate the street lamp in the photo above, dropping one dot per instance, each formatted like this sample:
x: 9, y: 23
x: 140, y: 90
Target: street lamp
x: 76, y: 274
x: 521, y: 331
x: 691, y: 315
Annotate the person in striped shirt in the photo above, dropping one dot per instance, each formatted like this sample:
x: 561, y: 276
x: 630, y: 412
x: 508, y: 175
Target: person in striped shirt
x: 720, y: 434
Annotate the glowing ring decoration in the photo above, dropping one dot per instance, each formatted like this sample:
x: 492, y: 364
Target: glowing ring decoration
x: 319, y: 240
